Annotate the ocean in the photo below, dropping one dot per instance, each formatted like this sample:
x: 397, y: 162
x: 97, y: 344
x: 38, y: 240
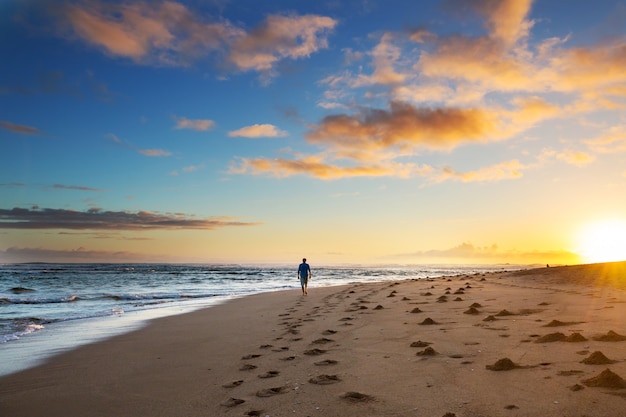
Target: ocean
x: 46, y: 309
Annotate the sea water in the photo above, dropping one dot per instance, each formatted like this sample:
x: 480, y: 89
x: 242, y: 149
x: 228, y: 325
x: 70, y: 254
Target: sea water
x: 48, y: 308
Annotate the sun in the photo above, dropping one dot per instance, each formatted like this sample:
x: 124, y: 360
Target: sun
x: 603, y: 241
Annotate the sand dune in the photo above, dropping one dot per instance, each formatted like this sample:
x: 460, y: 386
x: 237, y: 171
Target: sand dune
x: 541, y: 342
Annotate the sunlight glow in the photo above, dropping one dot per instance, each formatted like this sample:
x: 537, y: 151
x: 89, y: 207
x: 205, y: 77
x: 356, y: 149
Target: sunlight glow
x: 604, y: 242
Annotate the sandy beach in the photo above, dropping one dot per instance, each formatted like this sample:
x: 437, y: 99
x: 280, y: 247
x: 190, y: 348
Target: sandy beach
x: 540, y: 342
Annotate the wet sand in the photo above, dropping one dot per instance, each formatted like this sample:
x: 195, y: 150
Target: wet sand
x: 548, y: 341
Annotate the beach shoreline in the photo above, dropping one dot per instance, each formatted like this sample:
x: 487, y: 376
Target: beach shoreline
x: 414, y: 347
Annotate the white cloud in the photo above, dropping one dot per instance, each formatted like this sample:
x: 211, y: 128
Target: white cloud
x: 258, y: 131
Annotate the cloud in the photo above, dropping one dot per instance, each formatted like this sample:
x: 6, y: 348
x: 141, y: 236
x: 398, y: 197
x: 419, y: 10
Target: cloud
x: 467, y: 251
x: 258, y: 131
x: 200, y: 125
x: 81, y: 254
x: 146, y: 152
x: 498, y: 172
x: 154, y: 152
x: 280, y: 37
x: 76, y: 188
x: 97, y: 219
x: 611, y: 140
x: 22, y: 129
x: 577, y: 158
x: 163, y: 32
x: 169, y: 33
x: 187, y: 169
x: 405, y: 125
x: 316, y: 167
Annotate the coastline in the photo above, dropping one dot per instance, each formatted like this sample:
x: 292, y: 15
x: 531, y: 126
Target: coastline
x: 346, y: 351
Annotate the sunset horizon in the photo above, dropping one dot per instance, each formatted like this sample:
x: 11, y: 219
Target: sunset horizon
x: 371, y: 133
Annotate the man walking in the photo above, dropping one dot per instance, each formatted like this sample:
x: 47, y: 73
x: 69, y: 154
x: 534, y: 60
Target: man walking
x: 304, y: 273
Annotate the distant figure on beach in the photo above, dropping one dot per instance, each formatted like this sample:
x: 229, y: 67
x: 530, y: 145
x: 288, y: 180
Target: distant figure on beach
x: 304, y: 273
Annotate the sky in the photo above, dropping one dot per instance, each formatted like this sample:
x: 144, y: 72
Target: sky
x: 347, y: 132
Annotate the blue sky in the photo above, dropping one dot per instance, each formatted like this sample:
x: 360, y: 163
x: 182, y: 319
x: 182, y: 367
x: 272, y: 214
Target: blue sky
x: 349, y: 132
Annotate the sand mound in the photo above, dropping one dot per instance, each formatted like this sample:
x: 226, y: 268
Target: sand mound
x: 504, y: 364
x: 576, y: 337
x: 428, y: 321
x: 503, y: 313
x: 471, y: 310
x: 490, y: 318
x: 378, y: 307
x: 416, y: 310
x: 552, y: 337
x: 557, y: 323
x: 419, y: 343
x: 427, y: 352
x: 611, y: 336
x: 606, y: 379
x: 458, y: 299
x: 476, y: 305
x: 597, y: 358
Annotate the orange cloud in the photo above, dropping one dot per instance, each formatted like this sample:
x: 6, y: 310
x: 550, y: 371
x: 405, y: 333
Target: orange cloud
x: 502, y: 171
x: 317, y: 168
x: 506, y: 20
x: 150, y: 32
x: 168, y: 33
x: 258, y: 131
x: 612, y: 140
x: 197, y: 124
x: 23, y: 129
x: 280, y: 37
x: 405, y: 125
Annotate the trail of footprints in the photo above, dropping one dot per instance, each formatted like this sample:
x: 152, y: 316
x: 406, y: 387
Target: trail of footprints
x: 318, y: 348
x: 292, y: 321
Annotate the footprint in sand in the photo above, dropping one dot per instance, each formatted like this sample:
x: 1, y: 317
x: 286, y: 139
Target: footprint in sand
x: 314, y: 352
x: 254, y: 413
x: 269, y: 374
x: 322, y: 341
x: 356, y: 397
x: 269, y: 392
x: 324, y: 379
x: 247, y: 367
x: 233, y: 384
x: 232, y: 402
x: 329, y: 332
x: 326, y: 362
x: 288, y: 358
x: 251, y: 356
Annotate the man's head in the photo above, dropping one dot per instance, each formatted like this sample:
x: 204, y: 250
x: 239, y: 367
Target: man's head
x: 303, y: 259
